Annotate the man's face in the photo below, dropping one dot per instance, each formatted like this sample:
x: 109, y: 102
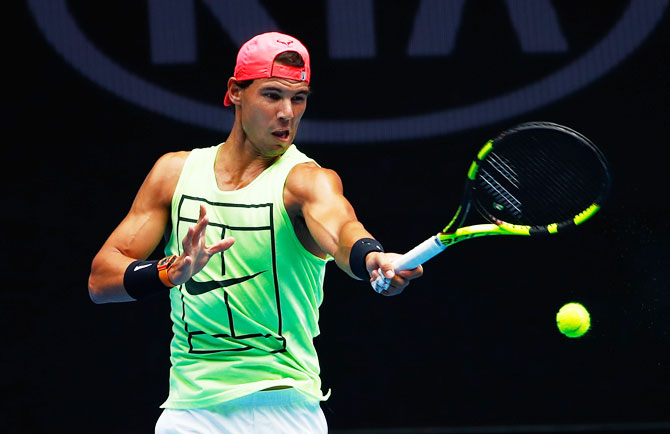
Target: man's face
x: 270, y: 110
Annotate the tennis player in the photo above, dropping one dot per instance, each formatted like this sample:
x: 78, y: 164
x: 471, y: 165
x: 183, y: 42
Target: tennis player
x: 251, y: 224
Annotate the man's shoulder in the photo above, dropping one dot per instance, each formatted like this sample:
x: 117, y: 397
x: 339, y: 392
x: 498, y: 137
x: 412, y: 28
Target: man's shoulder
x: 308, y: 172
x: 308, y: 179
x: 172, y: 162
x: 176, y: 160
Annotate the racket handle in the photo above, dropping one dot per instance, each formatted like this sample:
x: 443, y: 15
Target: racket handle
x: 412, y: 259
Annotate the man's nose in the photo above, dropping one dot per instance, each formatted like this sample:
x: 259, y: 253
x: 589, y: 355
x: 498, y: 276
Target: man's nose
x: 285, y: 109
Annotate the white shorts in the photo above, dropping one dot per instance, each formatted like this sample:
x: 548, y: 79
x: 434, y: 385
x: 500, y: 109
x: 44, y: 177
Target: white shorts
x: 273, y: 411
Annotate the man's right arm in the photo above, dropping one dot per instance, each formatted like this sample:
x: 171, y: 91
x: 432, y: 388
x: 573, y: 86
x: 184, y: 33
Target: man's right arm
x: 140, y: 232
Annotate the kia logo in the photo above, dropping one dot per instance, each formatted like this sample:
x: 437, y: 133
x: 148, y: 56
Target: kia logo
x: 351, y: 35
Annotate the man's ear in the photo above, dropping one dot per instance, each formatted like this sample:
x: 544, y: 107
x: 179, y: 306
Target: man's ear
x: 234, y: 91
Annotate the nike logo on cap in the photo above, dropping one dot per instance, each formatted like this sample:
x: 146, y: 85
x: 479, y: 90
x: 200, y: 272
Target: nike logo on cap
x: 198, y: 288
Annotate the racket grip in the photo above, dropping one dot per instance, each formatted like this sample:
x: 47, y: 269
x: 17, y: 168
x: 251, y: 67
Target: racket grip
x: 419, y: 254
x: 412, y: 259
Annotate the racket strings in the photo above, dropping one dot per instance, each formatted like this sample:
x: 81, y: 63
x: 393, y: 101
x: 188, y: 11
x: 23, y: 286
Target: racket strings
x: 504, y: 169
x: 501, y: 196
x: 566, y: 185
x: 553, y: 187
x: 539, y: 177
x: 574, y: 172
x: 555, y: 191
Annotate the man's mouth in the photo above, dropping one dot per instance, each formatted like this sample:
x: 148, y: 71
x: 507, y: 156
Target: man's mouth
x: 282, y: 135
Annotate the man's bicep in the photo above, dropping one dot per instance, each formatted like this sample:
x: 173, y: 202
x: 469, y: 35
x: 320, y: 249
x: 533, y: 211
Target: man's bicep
x: 141, y: 230
x: 325, y: 218
x: 139, y: 233
x: 331, y: 218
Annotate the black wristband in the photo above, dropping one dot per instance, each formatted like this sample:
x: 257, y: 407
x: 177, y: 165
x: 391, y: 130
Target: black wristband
x: 359, y: 251
x: 141, y: 280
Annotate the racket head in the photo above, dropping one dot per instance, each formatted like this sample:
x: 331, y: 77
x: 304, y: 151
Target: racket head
x: 541, y: 176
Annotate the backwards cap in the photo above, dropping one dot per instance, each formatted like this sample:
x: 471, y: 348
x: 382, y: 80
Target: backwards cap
x: 256, y: 59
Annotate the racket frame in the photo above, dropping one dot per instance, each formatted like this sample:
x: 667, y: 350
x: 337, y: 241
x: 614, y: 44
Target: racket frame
x: 450, y: 236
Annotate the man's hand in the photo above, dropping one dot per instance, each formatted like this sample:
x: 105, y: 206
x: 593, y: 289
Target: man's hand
x: 375, y: 261
x: 196, y: 253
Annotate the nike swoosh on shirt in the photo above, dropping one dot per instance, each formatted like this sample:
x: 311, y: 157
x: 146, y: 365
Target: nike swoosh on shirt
x: 198, y: 288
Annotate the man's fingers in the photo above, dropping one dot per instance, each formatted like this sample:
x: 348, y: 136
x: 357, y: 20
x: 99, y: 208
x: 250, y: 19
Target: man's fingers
x: 186, y: 242
x: 398, y: 284
x: 203, y: 221
x: 221, y: 246
x: 385, y: 279
x: 411, y: 274
x: 387, y: 271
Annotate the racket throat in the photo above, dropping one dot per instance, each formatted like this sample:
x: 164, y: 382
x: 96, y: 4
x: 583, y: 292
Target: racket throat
x: 489, y: 229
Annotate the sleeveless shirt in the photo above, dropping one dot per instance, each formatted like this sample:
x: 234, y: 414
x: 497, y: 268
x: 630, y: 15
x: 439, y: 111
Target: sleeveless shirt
x: 247, y: 321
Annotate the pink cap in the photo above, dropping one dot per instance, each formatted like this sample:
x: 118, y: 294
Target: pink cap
x: 256, y: 59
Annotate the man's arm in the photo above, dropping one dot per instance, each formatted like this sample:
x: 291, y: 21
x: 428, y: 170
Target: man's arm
x: 140, y: 232
x: 317, y: 195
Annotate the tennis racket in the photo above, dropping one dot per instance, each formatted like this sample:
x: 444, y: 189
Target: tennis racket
x: 536, y: 179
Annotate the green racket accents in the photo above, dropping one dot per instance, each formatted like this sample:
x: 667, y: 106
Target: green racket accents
x: 485, y: 150
x: 586, y: 214
x: 467, y: 232
x: 472, y: 172
x: 454, y: 219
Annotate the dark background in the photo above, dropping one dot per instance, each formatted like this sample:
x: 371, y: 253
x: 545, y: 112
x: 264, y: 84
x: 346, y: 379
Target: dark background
x: 471, y: 344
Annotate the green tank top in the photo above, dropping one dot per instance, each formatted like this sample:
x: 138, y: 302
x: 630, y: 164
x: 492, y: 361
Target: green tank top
x: 247, y: 321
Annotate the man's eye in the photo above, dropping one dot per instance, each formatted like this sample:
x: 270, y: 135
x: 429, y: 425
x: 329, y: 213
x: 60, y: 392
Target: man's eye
x: 299, y: 99
x: 272, y: 95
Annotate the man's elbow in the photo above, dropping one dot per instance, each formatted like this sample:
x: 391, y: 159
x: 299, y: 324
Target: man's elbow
x: 95, y: 292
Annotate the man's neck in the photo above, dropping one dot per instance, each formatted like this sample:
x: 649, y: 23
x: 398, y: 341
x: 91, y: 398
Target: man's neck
x: 238, y: 163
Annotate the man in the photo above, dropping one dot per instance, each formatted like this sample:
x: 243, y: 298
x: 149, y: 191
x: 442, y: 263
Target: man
x: 252, y: 223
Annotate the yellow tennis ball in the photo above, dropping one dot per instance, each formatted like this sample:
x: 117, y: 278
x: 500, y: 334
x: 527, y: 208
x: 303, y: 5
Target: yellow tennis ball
x: 573, y: 320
